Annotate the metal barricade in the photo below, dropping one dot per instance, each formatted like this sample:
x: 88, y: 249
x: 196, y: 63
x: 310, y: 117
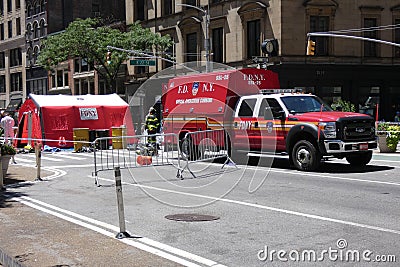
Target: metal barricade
x: 136, y: 153
x: 202, y: 146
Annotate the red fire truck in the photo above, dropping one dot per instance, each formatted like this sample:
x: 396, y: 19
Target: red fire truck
x: 261, y: 119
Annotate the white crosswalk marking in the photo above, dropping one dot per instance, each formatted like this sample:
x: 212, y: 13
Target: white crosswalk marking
x: 68, y: 156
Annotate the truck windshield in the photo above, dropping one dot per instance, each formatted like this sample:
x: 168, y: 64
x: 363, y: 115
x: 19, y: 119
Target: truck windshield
x: 302, y: 104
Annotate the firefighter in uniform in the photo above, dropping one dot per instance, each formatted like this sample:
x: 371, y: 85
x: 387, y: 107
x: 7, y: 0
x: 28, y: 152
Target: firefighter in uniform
x: 152, y: 126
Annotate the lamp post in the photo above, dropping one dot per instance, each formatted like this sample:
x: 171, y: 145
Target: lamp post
x: 207, y: 27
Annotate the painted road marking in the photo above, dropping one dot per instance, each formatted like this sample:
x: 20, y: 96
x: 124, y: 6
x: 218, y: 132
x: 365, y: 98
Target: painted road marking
x: 144, y: 244
x: 258, y: 206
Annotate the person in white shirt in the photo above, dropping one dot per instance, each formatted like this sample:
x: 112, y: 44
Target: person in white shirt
x: 7, y: 123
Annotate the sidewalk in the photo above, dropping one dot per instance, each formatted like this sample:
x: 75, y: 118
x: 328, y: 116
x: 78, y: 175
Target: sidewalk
x: 29, y: 237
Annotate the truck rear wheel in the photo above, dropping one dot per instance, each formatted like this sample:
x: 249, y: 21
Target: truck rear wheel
x: 359, y: 159
x: 305, y: 156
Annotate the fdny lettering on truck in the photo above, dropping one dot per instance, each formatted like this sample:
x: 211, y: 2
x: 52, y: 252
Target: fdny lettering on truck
x: 245, y: 125
x: 254, y: 79
x: 88, y: 114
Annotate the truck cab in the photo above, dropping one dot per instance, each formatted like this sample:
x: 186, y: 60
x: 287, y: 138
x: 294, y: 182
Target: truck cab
x: 302, y: 126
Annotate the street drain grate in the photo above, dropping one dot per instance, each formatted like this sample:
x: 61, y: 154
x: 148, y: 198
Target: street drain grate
x: 191, y: 217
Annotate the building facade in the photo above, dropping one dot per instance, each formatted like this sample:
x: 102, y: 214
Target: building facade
x: 12, y: 54
x: 51, y: 17
x: 362, y: 72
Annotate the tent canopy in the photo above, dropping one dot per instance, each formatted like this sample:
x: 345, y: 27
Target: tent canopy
x: 54, y: 117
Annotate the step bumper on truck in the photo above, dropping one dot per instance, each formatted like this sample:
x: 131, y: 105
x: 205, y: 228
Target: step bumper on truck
x: 339, y: 146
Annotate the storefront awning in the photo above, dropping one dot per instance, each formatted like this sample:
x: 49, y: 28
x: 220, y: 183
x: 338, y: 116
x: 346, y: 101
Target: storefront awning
x: 14, y: 105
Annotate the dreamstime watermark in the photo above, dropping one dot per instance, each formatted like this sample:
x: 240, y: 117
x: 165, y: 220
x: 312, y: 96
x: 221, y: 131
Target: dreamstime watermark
x: 340, y: 253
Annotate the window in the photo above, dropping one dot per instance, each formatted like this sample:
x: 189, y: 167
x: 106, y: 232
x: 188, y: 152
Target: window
x: 215, y: 1
x: 29, y: 32
x: 2, y: 60
x: 1, y: 31
x: 2, y: 83
x: 35, y: 54
x: 253, y: 38
x: 43, y: 6
x: 370, y: 48
x: 397, y: 38
x: 270, y: 106
x: 1, y: 8
x: 16, y: 81
x: 140, y: 10
x: 218, y: 44
x: 247, y: 107
x: 42, y: 28
x: 9, y: 5
x: 29, y: 56
x: 29, y: 9
x: 15, y: 57
x: 17, y: 4
x: 10, y: 29
x: 35, y: 30
x: 59, y: 78
x: 168, y: 7
x: 18, y: 22
x: 191, y: 47
x: 320, y: 24
x: 37, y: 7
x: 81, y: 65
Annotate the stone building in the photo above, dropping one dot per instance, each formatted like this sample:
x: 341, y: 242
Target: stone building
x: 362, y: 72
x: 12, y: 54
x: 51, y: 17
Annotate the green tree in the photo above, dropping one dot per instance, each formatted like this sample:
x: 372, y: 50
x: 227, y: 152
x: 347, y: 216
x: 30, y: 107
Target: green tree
x: 88, y: 39
x: 343, y: 105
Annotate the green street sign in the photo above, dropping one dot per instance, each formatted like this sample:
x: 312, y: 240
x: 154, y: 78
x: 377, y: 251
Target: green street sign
x: 142, y: 62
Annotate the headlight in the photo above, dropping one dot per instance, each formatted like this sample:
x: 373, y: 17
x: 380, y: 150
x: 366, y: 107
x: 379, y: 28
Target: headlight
x: 328, y: 129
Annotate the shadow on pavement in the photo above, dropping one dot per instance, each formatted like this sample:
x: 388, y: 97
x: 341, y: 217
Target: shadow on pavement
x: 335, y: 167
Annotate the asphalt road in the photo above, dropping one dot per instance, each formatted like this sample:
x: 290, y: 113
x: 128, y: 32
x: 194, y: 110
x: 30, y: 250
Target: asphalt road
x: 261, y: 216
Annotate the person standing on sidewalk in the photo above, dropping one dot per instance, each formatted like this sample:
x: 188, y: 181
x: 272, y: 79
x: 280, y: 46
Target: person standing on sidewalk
x: 7, y: 123
x: 397, y: 116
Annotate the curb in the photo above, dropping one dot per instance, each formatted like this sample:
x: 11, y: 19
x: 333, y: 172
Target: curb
x: 8, y: 261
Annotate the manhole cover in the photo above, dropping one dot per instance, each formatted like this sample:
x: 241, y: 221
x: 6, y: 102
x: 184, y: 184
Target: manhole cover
x: 191, y: 217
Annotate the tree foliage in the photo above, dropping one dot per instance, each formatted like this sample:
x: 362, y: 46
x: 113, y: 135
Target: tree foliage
x: 88, y: 39
x: 343, y: 105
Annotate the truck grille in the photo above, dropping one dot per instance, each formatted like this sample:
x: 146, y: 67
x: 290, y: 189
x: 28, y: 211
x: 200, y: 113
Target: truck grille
x: 356, y: 129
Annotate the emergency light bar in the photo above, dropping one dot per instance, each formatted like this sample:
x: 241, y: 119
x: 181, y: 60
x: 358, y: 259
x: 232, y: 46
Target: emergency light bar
x: 280, y: 91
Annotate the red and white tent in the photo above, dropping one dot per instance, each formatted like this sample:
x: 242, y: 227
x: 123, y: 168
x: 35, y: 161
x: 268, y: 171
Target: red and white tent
x: 54, y: 117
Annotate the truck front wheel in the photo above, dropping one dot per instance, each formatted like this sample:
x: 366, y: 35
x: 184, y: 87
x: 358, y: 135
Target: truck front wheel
x: 305, y: 156
x: 359, y: 159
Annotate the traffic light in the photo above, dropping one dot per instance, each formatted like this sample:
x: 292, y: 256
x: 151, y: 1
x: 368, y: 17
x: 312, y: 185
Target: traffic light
x: 108, y: 57
x: 310, y: 47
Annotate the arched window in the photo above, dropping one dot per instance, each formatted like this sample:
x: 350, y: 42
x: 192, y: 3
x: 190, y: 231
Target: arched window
x: 37, y: 7
x: 42, y: 28
x: 43, y: 6
x: 29, y: 10
x: 35, y: 54
x: 29, y: 56
x: 35, y: 30
x: 29, y: 32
